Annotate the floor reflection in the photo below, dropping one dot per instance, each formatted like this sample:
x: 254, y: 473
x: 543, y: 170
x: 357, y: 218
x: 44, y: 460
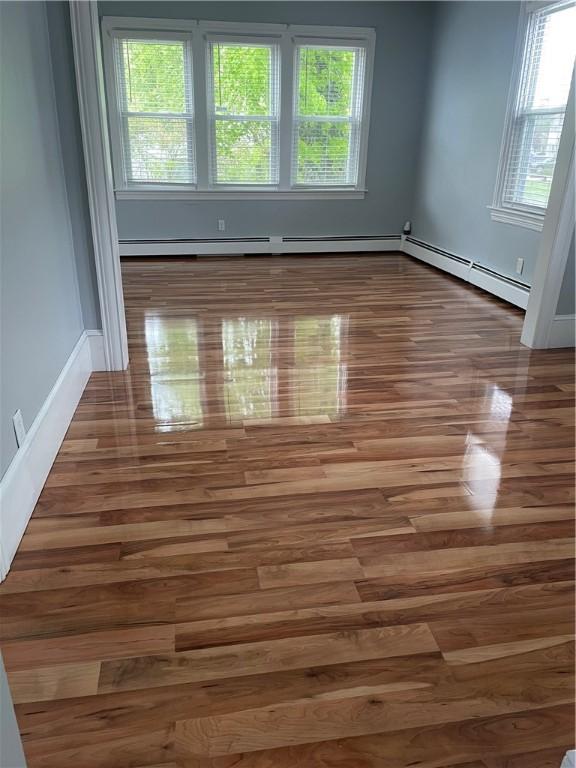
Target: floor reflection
x: 176, y: 380
x: 250, y: 376
x: 319, y: 374
x: 482, y: 460
x: 263, y: 368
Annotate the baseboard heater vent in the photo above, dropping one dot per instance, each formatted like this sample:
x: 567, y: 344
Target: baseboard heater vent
x: 514, y: 291
x: 198, y: 240
x: 498, y: 276
x: 259, y: 245
x: 339, y: 238
x: 440, y: 251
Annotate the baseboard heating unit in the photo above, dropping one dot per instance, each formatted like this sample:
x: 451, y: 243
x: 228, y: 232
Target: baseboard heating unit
x: 514, y: 291
x: 254, y: 245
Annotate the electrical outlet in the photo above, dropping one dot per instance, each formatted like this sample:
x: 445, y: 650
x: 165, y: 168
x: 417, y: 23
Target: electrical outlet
x: 221, y: 225
x: 519, y: 266
x: 19, y: 427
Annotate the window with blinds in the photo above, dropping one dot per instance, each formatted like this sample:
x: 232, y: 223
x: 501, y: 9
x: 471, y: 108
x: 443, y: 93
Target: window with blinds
x: 200, y: 108
x: 548, y: 59
x: 327, y: 115
x: 154, y: 85
x: 243, y: 113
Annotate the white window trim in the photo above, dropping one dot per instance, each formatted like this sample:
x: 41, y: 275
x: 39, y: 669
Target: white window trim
x: 198, y: 32
x: 526, y: 216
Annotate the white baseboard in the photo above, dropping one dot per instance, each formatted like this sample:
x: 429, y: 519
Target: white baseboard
x: 96, y: 340
x: 269, y: 245
x: 499, y: 286
x: 389, y: 243
x: 25, y: 477
x: 457, y: 265
x: 563, y: 331
x: 468, y: 270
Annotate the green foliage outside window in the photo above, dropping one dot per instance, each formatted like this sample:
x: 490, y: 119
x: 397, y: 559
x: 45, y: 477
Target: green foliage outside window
x: 325, y: 89
x: 154, y: 76
x: 155, y: 81
x: 242, y: 80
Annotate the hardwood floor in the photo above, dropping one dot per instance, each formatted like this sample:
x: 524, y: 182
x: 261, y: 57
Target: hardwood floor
x: 324, y: 520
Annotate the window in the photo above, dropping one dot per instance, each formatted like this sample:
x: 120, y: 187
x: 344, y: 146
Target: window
x: 536, y: 115
x: 328, y: 115
x: 155, y: 110
x: 243, y: 109
x: 199, y: 109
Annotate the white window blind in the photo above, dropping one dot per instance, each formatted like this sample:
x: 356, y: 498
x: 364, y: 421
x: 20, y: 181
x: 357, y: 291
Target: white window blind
x: 154, y: 86
x: 328, y: 98
x: 540, y: 107
x: 243, y: 109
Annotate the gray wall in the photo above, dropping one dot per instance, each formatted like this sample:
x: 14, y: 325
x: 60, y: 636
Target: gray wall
x: 11, y: 753
x: 400, y: 72
x: 567, y: 300
x: 41, y: 317
x: 470, y: 73
x: 71, y: 140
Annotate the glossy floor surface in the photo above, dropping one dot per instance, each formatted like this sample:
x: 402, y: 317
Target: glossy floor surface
x: 324, y: 520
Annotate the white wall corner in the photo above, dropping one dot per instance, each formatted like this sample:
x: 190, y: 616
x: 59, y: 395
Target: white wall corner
x: 25, y: 477
x: 562, y: 331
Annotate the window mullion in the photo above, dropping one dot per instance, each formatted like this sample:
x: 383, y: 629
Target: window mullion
x: 246, y: 118
x: 189, y: 98
x: 285, y: 128
x: 201, y: 121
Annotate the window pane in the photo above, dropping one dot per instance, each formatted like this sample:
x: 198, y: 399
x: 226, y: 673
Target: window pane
x: 154, y: 76
x: 244, y: 85
x: 555, y: 45
x: 532, y: 165
x: 329, y: 86
x: 159, y: 150
x: 544, y: 86
x: 242, y: 79
x: 323, y: 153
x: 243, y: 152
x: 325, y: 81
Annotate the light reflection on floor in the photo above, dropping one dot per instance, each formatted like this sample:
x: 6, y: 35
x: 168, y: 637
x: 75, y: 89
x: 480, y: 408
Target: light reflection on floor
x: 481, y: 463
x: 265, y: 368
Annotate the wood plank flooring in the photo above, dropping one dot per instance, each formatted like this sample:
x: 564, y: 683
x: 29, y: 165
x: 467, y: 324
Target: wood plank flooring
x: 325, y: 520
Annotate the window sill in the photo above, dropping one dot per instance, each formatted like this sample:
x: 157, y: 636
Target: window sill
x: 243, y: 194
x: 518, y: 217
